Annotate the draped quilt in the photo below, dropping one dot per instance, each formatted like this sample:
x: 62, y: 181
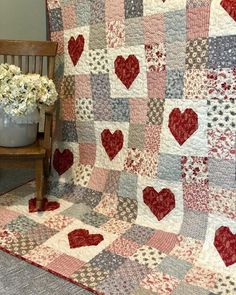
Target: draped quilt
x: 144, y: 154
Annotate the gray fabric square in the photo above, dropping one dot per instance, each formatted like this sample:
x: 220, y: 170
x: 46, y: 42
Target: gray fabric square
x: 56, y: 23
x: 174, y: 267
x: 69, y: 133
x: 194, y: 224
x: 175, y: 25
x: 186, y: 289
x: 133, y: 31
x: 120, y: 109
x: 169, y: 167
x: 102, y: 113
x: 76, y: 211
x: 86, y: 132
x: 128, y: 185
x: 174, y: 84
x: 136, y: 135
x: 97, y: 11
x: 139, y: 234
x: 222, y: 173
x: 107, y: 261
x: 94, y: 218
x: 222, y: 52
x: 97, y: 36
x: 100, y: 86
x: 59, y: 189
x: 133, y: 8
x: 87, y: 196
x: 83, y: 12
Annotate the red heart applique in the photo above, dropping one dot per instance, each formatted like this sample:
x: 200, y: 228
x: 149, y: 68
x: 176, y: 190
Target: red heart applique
x: 225, y: 243
x: 62, y: 161
x: 81, y: 237
x: 76, y: 48
x: 230, y: 7
x: 47, y: 206
x: 112, y: 143
x: 159, y: 203
x: 182, y: 125
x: 127, y: 69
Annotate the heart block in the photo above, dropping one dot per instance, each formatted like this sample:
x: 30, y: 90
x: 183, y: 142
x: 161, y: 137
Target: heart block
x: 81, y: 238
x: 225, y: 243
x: 112, y: 143
x: 182, y: 125
x: 47, y: 205
x: 76, y: 48
x: 127, y: 69
x: 62, y: 161
x: 160, y: 203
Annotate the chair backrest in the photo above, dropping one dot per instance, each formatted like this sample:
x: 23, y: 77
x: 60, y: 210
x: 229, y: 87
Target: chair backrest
x: 30, y: 56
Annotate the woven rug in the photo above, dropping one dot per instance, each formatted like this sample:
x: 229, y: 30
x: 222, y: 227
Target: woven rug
x: 144, y: 153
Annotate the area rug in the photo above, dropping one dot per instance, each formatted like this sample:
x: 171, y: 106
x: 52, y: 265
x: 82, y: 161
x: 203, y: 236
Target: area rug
x: 144, y: 151
x: 12, y: 178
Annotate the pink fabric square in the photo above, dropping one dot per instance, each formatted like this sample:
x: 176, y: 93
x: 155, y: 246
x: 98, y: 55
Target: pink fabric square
x: 67, y: 110
x: 163, y: 241
x: 114, y: 10
x: 58, y: 37
x: 156, y: 84
x: 87, y: 153
x: 123, y: 247
x: 138, y: 110
x: 98, y: 179
x: 152, y: 138
x: 69, y: 16
x: 196, y: 196
x: 7, y: 216
x: 154, y: 29
x: 65, y: 265
x: 198, y: 22
x: 83, y: 86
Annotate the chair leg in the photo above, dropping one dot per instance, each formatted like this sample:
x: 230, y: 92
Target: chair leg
x: 39, y: 179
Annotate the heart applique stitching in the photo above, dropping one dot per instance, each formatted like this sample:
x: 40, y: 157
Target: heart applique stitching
x: 160, y: 203
x: 76, y: 48
x: 81, y: 238
x: 127, y: 69
x: 112, y: 143
x: 182, y: 125
x: 62, y: 161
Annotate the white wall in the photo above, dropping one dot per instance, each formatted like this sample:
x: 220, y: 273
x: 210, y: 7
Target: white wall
x: 23, y: 19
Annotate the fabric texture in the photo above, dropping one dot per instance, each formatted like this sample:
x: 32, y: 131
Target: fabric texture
x: 144, y: 151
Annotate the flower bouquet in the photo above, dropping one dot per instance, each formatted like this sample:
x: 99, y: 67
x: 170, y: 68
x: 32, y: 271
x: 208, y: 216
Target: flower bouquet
x: 21, y: 98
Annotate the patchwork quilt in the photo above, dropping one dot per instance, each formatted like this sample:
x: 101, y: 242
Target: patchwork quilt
x: 144, y: 153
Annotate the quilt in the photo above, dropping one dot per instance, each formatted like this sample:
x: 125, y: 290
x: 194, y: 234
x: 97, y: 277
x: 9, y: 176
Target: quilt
x: 143, y: 163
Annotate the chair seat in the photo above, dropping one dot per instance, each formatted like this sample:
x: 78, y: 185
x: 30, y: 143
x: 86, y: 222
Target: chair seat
x: 34, y: 150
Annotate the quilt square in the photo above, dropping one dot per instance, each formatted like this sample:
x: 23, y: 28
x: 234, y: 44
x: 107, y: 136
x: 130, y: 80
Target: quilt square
x: 97, y: 36
x: 100, y: 86
x: 69, y: 133
x: 98, y: 61
x: 195, y: 86
x: 175, y: 21
x: 98, y: 179
x: 156, y: 84
x: 174, y: 84
x: 115, y: 33
x: 123, y: 247
x: 69, y: 16
x: 87, y: 153
x: 84, y: 109
x: 56, y: 24
x: 86, y: 132
x: 73, y: 36
x: 169, y: 167
x: 136, y: 134
x: 120, y: 110
x: 83, y: 12
x: 83, y: 86
x: 127, y: 185
x: 198, y: 22
x: 42, y: 255
x: 60, y: 242
x: 163, y: 241
x: 67, y: 111
x: 222, y: 51
x: 152, y: 138
x: 186, y: 289
x: 156, y: 57
x: 111, y: 11
x: 133, y: 31
x: 7, y: 216
x: 133, y: 8
x: 175, y: 60
x: 150, y: 23
x: 138, y: 110
x: 139, y: 234
x: 197, y: 53
x: 155, y: 111
x: 158, y: 6
x: 108, y: 261
x: 97, y: 10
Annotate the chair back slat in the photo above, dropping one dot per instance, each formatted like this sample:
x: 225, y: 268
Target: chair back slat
x: 40, y: 65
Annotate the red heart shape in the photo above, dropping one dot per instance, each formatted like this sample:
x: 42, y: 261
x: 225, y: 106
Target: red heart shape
x: 62, y: 161
x: 47, y: 206
x: 225, y: 243
x: 112, y: 143
x: 127, y: 69
x: 81, y: 237
x: 159, y: 203
x: 76, y: 48
x: 182, y: 125
x: 230, y: 7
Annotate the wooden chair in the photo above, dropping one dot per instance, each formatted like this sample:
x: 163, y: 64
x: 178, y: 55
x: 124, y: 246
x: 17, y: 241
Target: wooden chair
x: 31, y: 57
